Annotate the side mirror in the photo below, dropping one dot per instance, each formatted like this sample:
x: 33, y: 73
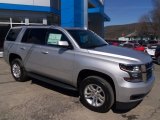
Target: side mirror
x: 63, y: 43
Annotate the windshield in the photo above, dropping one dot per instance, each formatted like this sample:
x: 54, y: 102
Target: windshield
x: 87, y: 39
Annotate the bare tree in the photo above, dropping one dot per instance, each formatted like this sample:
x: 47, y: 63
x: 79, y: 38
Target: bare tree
x: 156, y: 4
x: 144, y: 28
x: 155, y: 17
x: 150, y: 23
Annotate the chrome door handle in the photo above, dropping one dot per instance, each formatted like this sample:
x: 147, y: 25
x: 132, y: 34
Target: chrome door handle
x: 22, y: 48
x: 44, y: 52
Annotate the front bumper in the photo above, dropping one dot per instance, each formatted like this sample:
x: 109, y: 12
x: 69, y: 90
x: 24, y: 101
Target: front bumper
x: 132, y: 92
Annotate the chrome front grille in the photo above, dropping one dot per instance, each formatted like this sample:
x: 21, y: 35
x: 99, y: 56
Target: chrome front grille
x: 149, y: 65
x: 149, y: 71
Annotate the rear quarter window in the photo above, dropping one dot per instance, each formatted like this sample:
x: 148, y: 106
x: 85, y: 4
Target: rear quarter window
x: 13, y: 34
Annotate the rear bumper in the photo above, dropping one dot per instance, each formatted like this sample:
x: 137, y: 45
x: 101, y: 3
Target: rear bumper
x: 132, y: 92
x: 1, y: 54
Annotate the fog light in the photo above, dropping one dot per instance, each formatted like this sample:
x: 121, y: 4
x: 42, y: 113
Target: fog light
x: 135, y: 75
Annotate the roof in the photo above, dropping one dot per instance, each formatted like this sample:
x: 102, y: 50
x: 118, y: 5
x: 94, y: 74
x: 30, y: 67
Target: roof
x: 49, y: 26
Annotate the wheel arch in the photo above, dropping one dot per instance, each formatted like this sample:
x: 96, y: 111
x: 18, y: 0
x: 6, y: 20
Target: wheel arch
x: 85, y: 73
x: 13, y: 56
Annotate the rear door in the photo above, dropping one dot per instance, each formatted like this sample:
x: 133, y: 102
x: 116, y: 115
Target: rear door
x: 23, y: 46
x: 31, y: 38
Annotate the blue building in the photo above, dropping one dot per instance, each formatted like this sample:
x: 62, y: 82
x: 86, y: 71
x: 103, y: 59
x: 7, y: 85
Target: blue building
x: 66, y: 13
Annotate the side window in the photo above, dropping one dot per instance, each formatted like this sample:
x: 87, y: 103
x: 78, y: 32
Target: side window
x: 54, y: 36
x: 35, y: 36
x: 13, y: 34
x: 25, y: 36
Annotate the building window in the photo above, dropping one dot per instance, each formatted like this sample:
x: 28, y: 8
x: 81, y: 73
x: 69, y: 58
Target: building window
x: 53, y: 19
x: 56, y: 4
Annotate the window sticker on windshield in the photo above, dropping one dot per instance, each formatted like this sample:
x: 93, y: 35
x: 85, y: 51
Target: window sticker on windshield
x: 54, y: 38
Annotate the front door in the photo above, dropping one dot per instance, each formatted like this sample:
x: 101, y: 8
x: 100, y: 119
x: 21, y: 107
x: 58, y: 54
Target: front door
x: 52, y: 60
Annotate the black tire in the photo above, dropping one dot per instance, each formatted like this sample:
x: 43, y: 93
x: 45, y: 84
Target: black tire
x: 158, y: 60
x: 22, y: 77
x: 107, y: 91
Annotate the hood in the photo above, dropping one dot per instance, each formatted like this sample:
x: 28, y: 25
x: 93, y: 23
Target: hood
x: 121, y: 54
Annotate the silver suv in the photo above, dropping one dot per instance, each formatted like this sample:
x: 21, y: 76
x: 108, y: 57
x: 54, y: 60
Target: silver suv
x: 81, y: 60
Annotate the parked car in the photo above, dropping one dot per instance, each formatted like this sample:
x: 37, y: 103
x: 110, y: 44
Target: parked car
x: 157, y: 54
x: 79, y: 59
x: 151, y: 50
x: 152, y: 42
x: 113, y: 43
x: 134, y: 46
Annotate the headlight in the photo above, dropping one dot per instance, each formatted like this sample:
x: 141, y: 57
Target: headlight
x: 130, y: 68
x: 134, y: 71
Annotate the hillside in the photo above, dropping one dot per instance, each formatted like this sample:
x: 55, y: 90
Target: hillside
x: 116, y: 31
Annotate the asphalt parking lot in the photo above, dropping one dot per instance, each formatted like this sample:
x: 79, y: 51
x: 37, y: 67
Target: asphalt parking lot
x: 34, y: 100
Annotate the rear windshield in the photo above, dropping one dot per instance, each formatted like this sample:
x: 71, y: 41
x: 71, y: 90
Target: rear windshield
x: 153, y: 47
x: 13, y: 33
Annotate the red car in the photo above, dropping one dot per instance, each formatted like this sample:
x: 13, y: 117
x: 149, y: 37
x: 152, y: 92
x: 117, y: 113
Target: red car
x: 134, y: 46
x: 114, y: 43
